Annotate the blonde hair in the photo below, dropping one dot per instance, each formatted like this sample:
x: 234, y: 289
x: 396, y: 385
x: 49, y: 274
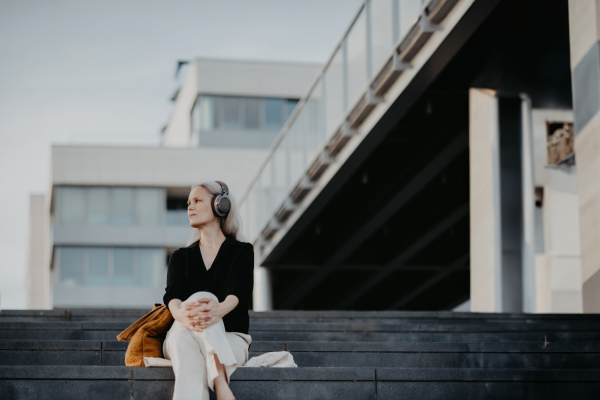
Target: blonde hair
x: 231, y: 224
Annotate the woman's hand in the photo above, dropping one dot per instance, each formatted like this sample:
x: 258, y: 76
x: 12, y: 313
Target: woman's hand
x: 201, y: 313
x: 212, y: 311
x: 186, y: 314
x: 209, y: 311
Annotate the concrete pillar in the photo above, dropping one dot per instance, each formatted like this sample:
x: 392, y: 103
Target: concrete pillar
x: 528, y: 201
x: 38, y: 269
x: 484, y: 201
x: 584, y: 34
x: 262, y: 294
x: 501, y: 200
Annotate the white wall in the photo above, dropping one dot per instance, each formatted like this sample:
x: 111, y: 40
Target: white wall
x: 157, y: 167
x: 558, y: 268
x: 179, y: 126
x: 255, y: 78
x: 236, y: 78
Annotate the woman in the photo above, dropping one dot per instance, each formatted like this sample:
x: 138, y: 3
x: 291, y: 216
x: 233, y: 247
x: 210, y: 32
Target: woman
x: 209, y: 289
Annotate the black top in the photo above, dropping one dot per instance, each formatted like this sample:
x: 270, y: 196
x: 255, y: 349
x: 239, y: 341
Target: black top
x: 232, y: 272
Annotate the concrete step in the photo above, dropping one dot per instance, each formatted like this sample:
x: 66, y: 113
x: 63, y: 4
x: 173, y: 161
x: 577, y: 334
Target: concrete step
x: 351, y: 336
x: 573, y: 326
x: 303, y: 316
x: 385, y: 355
x: 331, y: 354
x: 99, y: 383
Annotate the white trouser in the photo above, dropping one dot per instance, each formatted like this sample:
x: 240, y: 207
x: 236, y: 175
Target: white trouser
x: 192, y: 354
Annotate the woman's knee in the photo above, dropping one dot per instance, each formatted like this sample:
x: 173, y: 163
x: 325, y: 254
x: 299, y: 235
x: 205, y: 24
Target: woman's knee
x: 201, y: 295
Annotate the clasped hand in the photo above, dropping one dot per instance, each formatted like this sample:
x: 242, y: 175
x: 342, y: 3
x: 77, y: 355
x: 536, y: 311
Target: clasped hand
x: 200, y: 314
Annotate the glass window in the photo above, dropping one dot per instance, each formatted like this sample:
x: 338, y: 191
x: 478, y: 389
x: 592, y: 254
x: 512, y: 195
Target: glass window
x: 252, y: 113
x: 149, y: 206
x: 98, y: 267
x: 290, y: 105
x: 208, y: 113
x: 231, y: 112
x: 123, y: 266
x: 177, y: 211
x: 99, y: 206
x: 71, y: 266
x: 196, y: 116
x: 273, y: 120
x: 151, y: 270
x: 123, y: 213
x: 71, y: 205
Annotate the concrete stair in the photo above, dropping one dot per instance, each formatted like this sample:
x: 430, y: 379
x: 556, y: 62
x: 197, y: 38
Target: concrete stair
x: 73, y: 354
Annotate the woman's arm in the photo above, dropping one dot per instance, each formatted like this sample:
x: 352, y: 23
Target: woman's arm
x: 241, y: 282
x: 176, y: 280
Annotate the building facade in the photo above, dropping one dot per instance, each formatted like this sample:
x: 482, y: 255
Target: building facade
x: 103, y: 234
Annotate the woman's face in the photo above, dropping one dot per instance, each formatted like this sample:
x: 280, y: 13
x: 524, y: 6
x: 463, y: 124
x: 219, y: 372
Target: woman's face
x: 199, y: 210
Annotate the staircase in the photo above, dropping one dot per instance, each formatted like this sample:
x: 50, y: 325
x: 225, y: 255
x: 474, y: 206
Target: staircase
x: 73, y: 354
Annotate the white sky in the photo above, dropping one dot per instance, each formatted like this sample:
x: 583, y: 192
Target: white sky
x: 102, y: 71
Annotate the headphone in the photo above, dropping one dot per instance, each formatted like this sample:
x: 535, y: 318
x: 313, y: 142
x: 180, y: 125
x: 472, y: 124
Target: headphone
x: 220, y: 203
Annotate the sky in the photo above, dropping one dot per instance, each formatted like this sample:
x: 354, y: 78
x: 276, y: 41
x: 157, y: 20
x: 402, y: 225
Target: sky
x: 103, y: 71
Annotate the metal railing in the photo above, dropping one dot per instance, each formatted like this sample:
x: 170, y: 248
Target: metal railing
x: 379, y: 29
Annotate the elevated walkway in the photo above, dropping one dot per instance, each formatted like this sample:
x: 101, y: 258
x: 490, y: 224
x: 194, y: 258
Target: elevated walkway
x: 364, y: 201
x: 367, y: 152
x: 73, y: 354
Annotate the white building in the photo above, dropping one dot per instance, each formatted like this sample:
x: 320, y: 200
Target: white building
x: 102, y: 235
x: 408, y: 177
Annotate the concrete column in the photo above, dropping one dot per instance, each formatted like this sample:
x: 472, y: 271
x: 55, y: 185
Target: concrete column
x: 502, y: 255
x: 484, y: 201
x: 528, y: 200
x: 262, y: 294
x: 38, y: 270
x: 262, y: 297
x: 584, y: 34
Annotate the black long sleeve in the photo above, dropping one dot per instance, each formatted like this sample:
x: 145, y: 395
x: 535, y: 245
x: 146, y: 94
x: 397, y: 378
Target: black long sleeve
x: 241, y: 280
x: 177, y: 287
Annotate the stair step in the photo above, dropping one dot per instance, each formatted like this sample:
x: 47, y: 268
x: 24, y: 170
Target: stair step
x: 304, y: 316
x: 332, y: 359
x: 529, y: 347
x: 330, y: 354
x: 335, y: 326
x: 453, y: 337
x: 99, y: 383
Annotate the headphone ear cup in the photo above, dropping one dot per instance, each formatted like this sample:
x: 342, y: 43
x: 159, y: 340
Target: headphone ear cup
x: 224, y: 204
x: 220, y: 205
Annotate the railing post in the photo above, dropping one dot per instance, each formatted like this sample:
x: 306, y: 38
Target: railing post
x: 369, y: 40
x: 272, y: 188
x: 247, y: 217
x: 288, y: 166
x: 345, y: 73
x: 302, y: 133
x: 395, y: 21
x: 323, y: 121
x: 259, y: 204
